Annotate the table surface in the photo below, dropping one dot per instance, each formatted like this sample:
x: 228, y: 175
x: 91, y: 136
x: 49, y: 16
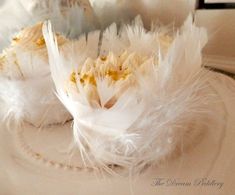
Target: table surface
x: 213, y: 158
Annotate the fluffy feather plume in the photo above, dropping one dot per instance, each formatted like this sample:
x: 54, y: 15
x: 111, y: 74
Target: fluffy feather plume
x: 27, y: 90
x: 140, y: 99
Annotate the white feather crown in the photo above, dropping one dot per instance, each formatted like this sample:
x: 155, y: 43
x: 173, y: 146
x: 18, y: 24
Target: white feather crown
x: 135, y: 95
x: 26, y: 87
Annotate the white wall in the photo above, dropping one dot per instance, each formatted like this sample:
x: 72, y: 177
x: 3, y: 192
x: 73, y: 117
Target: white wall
x: 221, y: 30
x: 167, y: 11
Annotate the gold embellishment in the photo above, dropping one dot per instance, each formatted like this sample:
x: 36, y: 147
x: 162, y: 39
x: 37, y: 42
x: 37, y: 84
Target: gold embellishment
x: 2, y: 60
x: 73, y: 77
x: 16, y: 39
x: 17, y: 65
x: 103, y: 58
x: 40, y: 41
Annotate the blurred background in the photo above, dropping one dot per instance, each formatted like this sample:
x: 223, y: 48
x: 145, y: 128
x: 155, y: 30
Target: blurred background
x: 220, y: 22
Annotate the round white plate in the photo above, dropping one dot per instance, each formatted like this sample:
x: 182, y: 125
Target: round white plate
x: 36, y: 161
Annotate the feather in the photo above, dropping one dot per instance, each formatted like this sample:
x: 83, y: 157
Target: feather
x: 136, y: 103
x: 27, y: 91
x: 31, y: 100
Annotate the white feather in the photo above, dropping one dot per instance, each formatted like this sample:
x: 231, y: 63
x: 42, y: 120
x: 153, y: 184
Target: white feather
x: 148, y: 122
x: 27, y: 91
